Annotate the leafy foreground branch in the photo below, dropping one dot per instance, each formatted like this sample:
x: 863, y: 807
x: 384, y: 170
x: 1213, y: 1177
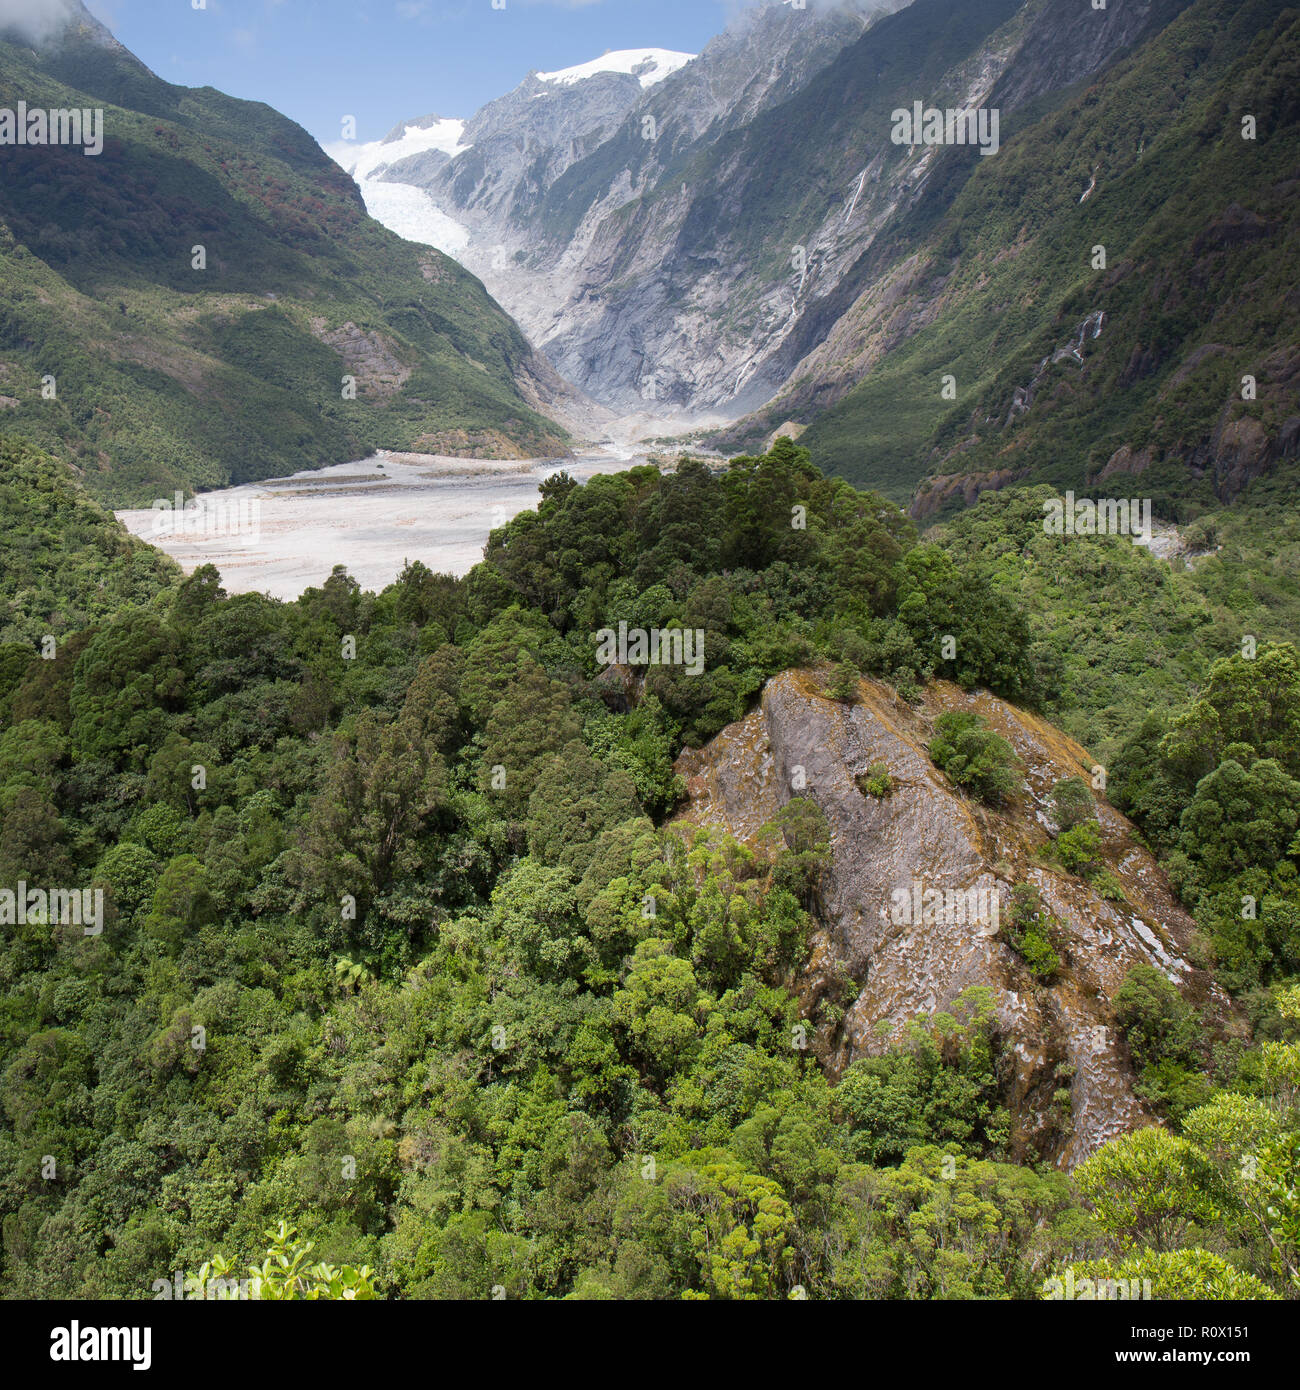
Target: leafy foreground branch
x: 283, y: 1274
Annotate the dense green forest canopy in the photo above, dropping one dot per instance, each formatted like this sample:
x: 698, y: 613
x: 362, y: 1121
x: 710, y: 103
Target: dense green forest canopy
x: 403, y: 956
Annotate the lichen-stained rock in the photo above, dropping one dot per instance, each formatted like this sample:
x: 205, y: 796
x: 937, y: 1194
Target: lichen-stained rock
x: 798, y: 742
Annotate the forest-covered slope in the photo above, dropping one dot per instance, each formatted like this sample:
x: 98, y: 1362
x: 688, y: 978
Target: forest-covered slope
x: 1098, y: 292
x: 401, y: 945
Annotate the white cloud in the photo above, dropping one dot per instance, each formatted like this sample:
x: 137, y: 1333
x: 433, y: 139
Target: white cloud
x: 36, y: 20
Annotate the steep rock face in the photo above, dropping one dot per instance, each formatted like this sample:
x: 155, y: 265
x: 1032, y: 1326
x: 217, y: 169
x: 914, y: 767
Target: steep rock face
x: 960, y: 283
x: 698, y: 242
x: 518, y: 145
x: 926, y: 833
x: 588, y: 218
x: 937, y: 492
x: 861, y: 306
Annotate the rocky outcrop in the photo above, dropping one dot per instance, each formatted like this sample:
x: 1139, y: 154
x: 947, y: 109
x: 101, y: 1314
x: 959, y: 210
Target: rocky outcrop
x: 941, y: 491
x: 924, y: 832
x: 369, y: 357
x: 791, y: 429
x: 1070, y: 353
x: 1247, y: 440
x: 1244, y: 446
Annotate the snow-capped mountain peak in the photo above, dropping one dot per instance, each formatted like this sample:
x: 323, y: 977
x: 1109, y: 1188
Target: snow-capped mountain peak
x: 416, y: 137
x: 648, y: 65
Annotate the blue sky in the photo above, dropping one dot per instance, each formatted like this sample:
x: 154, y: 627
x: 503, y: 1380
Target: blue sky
x: 384, y: 60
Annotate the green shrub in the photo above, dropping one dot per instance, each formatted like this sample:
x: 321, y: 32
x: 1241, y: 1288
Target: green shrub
x: 1072, y: 803
x: 1158, y: 1023
x: 974, y: 757
x: 844, y: 683
x: 1039, y: 954
x: 1078, y: 849
x: 1107, y: 886
x: 1164, y: 1036
x: 875, y: 781
x: 1031, y: 932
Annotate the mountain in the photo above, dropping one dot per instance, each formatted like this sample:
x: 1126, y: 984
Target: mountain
x: 574, y: 204
x: 1066, y: 371
x: 771, y: 254
x: 509, y: 152
x: 709, y: 232
x: 168, y: 376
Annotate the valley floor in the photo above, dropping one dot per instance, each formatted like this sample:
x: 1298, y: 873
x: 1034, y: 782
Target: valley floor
x: 370, y: 516
x: 375, y: 514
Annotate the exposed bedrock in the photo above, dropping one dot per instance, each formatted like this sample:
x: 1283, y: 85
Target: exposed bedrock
x: 926, y: 832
